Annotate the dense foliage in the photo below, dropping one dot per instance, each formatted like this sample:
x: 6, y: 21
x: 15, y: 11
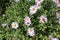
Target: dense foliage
x: 16, y: 12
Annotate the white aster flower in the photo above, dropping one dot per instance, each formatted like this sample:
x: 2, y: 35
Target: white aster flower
x: 57, y: 14
x: 15, y: 25
x: 4, y: 24
x: 54, y: 39
x: 27, y: 21
x: 27, y: 18
x: 38, y: 5
x: 16, y: 1
x: 32, y: 10
x: 31, y: 31
x: 43, y: 19
x: 39, y: 1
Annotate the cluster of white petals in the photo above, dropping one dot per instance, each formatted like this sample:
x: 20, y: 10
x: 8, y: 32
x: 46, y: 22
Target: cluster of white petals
x: 33, y: 9
x: 14, y: 25
x: 27, y: 21
x: 43, y: 19
x: 31, y: 31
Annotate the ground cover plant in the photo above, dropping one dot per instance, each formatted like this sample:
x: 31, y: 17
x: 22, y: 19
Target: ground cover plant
x: 29, y: 20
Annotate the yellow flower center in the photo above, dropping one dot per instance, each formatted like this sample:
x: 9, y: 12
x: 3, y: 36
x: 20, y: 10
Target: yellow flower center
x: 33, y: 8
x: 58, y: 14
x: 27, y: 19
x: 14, y: 25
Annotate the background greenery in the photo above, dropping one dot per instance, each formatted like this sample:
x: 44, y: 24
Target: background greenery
x: 17, y: 11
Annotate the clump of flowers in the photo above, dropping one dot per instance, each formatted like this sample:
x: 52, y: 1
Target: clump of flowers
x: 33, y: 10
x: 25, y: 22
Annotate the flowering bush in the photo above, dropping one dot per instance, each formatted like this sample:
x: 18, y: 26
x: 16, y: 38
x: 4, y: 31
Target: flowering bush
x: 29, y: 20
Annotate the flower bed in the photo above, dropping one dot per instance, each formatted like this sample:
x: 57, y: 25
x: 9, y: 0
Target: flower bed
x: 30, y: 20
